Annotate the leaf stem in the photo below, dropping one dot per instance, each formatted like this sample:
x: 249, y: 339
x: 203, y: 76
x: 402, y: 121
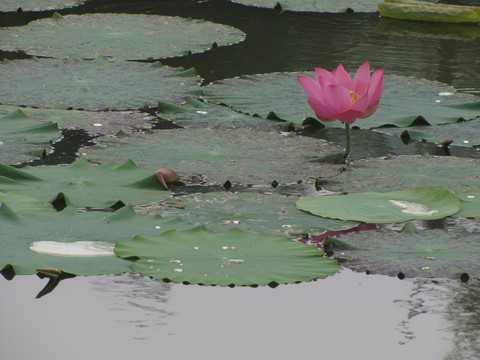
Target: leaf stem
x: 347, y: 141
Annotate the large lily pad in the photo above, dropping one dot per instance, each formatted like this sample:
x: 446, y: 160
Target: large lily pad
x: 426, y: 203
x: 314, y: 5
x: 84, y: 184
x: 405, y: 100
x: 230, y: 258
x: 19, y: 234
x: 22, y: 138
x: 253, y: 211
x: 92, y: 85
x: 121, y: 36
x: 38, y: 5
x: 238, y: 155
x: 412, y: 251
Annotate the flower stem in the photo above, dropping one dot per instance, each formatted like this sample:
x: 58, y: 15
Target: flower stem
x: 347, y: 141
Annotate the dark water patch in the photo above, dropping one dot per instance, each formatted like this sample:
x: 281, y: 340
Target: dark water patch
x: 64, y: 150
x: 367, y: 143
x: 299, y: 188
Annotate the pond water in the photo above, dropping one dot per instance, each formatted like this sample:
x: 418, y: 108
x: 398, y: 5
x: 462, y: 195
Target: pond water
x: 349, y: 315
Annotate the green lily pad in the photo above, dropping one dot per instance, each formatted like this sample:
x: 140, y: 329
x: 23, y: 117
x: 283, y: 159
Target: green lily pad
x: 426, y: 203
x: 255, y: 212
x: 96, y: 123
x: 314, y: 5
x: 230, y: 258
x: 23, y: 239
x: 18, y: 203
x: 401, y: 172
x: 198, y: 113
x: 126, y: 36
x: 84, y: 184
x: 239, y: 155
x: 470, y: 204
x: 38, y: 5
x: 413, y: 251
x: 405, y: 100
x: 22, y: 138
x: 427, y: 11
x: 92, y: 85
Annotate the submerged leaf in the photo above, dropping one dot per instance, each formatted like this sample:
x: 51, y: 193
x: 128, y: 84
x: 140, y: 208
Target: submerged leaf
x: 226, y: 259
x: 415, y: 250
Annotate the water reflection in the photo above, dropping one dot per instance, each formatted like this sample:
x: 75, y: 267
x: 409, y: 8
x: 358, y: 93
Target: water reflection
x: 146, y: 296
x: 457, y: 303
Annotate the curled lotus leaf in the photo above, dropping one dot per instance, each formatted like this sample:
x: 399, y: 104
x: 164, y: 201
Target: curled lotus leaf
x: 83, y: 184
x: 23, y: 138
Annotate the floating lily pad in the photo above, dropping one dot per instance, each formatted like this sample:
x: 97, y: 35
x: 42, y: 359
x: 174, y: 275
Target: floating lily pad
x: 38, y: 5
x: 314, y: 5
x: 84, y: 184
x: 22, y: 138
x: 60, y: 240
x: 426, y: 203
x: 470, y: 204
x: 238, y: 155
x: 402, y: 172
x: 121, y: 36
x: 92, y: 85
x: 265, y: 213
x: 96, y: 123
x: 413, y: 251
x: 427, y: 11
x: 405, y: 100
x: 230, y: 258
x: 199, y: 113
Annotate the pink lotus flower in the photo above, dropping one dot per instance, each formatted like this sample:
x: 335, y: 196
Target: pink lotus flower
x: 336, y: 96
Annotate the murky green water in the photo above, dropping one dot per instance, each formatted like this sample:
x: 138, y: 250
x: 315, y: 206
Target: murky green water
x: 347, y: 316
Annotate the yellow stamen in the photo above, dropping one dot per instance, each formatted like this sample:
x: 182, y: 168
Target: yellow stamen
x: 354, y: 97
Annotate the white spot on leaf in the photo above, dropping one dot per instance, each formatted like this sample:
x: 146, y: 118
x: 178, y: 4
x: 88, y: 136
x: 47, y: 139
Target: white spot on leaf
x: 412, y: 208
x: 74, y: 248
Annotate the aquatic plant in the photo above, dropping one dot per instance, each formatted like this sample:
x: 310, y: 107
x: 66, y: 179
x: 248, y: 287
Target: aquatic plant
x: 336, y: 96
